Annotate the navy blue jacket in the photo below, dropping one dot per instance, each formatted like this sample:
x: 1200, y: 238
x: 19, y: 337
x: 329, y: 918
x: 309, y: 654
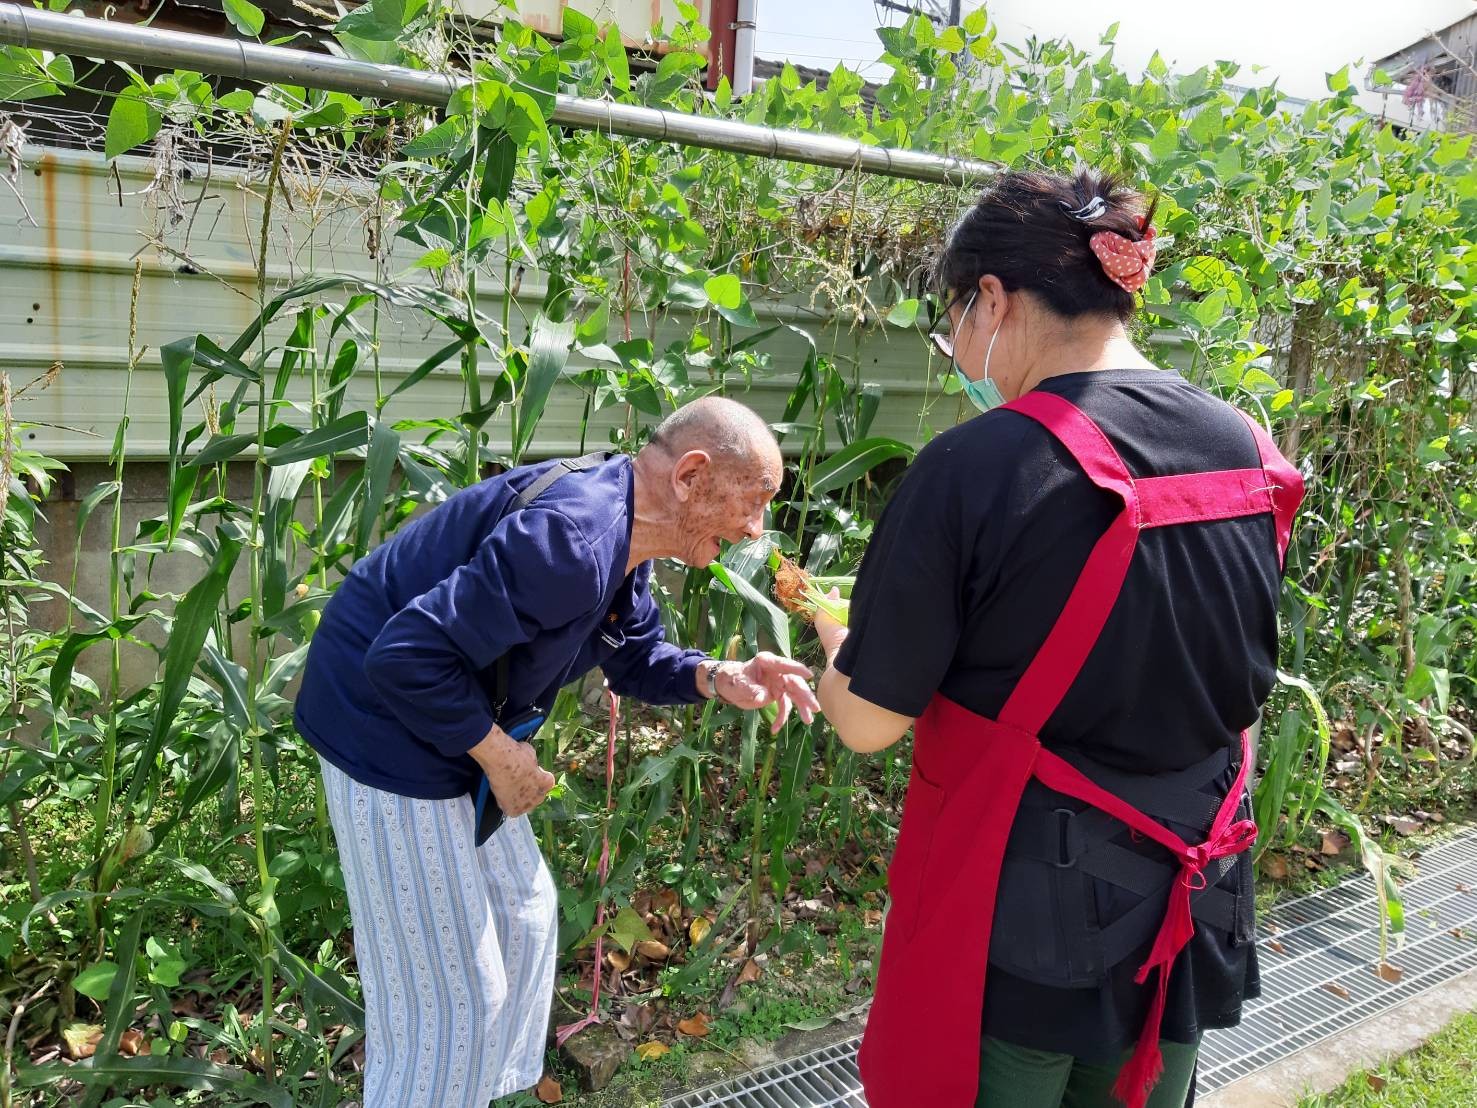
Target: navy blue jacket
x: 400, y: 677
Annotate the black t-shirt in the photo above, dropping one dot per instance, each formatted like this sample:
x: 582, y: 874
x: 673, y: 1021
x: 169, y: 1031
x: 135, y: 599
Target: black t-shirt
x: 969, y: 566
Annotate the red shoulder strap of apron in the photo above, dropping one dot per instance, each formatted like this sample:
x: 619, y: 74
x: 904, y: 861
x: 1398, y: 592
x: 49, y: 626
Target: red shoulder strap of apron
x: 1274, y: 487
x: 1051, y: 673
x: 1284, y: 484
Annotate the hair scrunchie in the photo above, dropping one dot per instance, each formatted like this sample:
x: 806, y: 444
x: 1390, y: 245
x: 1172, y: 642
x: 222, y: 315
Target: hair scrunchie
x: 1126, y: 262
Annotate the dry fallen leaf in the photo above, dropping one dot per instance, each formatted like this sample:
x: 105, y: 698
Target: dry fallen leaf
x: 133, y: 1043
x: 1274, y: 866
x: 1457, y: 933
x: 697, y: 1026
x: 1337, y: 990
x: 1275, y: 947
x: 698, y: 929
x: 1376, y: 1082
x: 637, y: 1020
x: 653, y: 951
x: 871, y: 917
x: 82, y: 1039
x: 750, y: 973
x: 549, y: 1091
x: 1392, y: 974
x: 1404, y: 825
x: 654, y: 1049
x: 1461, y: 888
x: 1334, y: 842
x: 619, y: 960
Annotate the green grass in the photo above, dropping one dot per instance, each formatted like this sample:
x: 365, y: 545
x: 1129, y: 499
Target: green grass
x: 1440, y: 1074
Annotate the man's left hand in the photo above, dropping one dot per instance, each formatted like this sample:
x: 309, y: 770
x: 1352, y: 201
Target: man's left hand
x: 768, y: 679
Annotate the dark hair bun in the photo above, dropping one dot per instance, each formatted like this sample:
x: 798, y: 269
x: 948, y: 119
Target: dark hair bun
x: 1031, y: 230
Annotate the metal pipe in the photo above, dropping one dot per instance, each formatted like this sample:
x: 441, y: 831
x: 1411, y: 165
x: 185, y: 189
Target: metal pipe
x: 249, y: 61
x: 745, y: 26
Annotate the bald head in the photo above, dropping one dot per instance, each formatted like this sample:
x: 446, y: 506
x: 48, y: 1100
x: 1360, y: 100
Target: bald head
x: 726, y: 430
x: 705, y: 478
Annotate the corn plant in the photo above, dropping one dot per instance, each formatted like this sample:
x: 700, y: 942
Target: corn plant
x: 1317, y: 264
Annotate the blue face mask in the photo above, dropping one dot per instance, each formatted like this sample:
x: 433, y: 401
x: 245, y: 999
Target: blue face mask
x: 983, y: 394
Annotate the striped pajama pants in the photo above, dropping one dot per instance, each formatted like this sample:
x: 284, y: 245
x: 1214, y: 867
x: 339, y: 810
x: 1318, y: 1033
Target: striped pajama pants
x: 455, y: 946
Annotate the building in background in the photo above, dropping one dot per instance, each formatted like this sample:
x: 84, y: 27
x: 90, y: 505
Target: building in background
x: 1436, y: 77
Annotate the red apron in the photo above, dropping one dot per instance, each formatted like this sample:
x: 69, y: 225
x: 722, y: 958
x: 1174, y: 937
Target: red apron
x: 922, y: 1042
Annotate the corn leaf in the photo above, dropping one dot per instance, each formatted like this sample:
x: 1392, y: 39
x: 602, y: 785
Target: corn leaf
x: 344, y: 433
x: 75, y: 644
x: 119, y: 1011
x: 764, y: 611
x: 186, y: 1073
x: 548, y: 353
x: 854, y: 462
x: 193, y: 620
x: 416, y: 375
x: 177, y: 358
x: 384, y: 448
x: 321, y: 982
x: 281, y: 499
x: 212, y: 770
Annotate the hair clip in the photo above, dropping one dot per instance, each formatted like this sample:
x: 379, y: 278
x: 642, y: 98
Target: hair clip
x: 1090, y: 211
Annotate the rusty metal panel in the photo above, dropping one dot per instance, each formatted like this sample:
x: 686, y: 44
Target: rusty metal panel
x: 635, y: 18
x: 66, y: 281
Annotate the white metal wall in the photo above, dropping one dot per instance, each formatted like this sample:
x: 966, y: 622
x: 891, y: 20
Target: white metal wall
x: 635, y: 18
x: 65, y: 285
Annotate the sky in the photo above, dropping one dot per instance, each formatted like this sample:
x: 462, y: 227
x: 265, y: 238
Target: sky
x: 1298, y: 41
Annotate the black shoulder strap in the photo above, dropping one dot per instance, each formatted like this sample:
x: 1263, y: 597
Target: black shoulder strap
x: 547, y: 478
x: 532, y: 492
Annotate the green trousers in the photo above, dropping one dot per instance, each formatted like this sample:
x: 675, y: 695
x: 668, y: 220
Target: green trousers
x: 1017, y: 1077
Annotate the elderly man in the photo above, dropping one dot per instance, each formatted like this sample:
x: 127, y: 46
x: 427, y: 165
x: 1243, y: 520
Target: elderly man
x: 472, y: 615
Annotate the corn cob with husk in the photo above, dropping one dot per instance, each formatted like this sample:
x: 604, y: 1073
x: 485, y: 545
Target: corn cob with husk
x: 804, y: 594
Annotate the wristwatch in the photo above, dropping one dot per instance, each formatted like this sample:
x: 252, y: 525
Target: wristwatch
x: 710, y: 677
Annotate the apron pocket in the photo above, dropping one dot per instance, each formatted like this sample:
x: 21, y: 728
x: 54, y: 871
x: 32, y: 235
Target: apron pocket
x: 910, y: 859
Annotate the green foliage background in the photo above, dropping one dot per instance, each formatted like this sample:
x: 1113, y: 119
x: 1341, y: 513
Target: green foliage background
x: 1319, y: 261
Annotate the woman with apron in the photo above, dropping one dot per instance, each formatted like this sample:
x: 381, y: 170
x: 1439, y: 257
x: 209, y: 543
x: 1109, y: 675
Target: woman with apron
x: 1072, y: 600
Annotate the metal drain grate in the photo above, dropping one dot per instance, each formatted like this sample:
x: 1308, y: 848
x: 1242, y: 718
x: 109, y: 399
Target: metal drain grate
x: 1329, y: 945
x: 823, y: 1077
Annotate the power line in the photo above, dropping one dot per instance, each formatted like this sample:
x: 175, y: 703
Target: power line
x: 829, y: 57
x: 821, y: 38
x: 933, y: 11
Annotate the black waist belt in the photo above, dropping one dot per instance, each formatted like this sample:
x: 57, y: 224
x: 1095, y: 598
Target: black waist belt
x: 1079, y: 892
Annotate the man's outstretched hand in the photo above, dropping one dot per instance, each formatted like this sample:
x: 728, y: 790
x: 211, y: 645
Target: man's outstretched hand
x: 519, y: 783
x: 768, y: 679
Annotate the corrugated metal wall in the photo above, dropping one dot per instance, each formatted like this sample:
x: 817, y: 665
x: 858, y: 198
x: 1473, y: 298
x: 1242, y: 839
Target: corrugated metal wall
x: 635, y: 18
x: 65, y: 285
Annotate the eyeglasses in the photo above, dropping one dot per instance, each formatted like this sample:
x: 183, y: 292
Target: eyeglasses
x: 943, y: 341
